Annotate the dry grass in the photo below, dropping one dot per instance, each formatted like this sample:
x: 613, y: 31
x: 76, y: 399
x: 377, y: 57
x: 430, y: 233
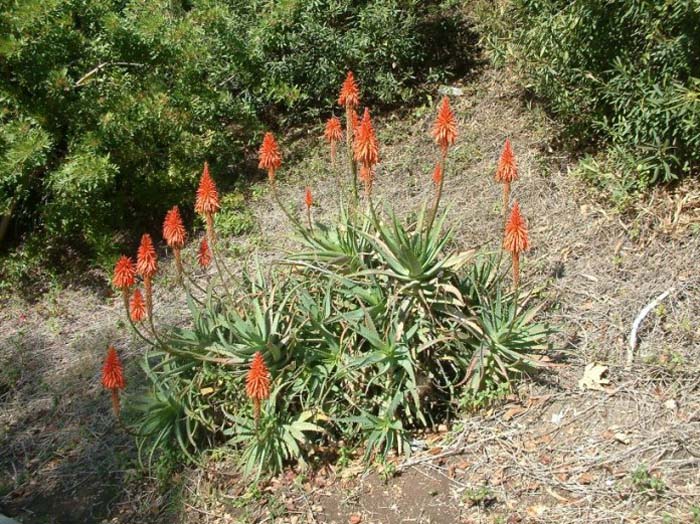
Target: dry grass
x: 555, y: 453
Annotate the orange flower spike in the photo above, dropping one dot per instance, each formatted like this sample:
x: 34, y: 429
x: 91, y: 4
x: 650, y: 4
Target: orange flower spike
x: 124, y: 273
x: 333, y: 131
x: 269, y: 156
x: 207, y: 202
x: 507, y: 170
x: 113, y: 377
x: 308, y: 198
x: 146, y: 266
x: 175, y: 235
x: 258, y: 382
x: 124, y: 277
x: 308, y: 202
x: 137, y: 307
x: 366, y: 145
x: 174, y: 230
x: 516, y: 239
x: 437, y: 175
x: 333, y: 134
x: 445, y: 127
x: 204, y: 255
x: 112, y: 372
x: 349, y: 92
x: 146, y: 260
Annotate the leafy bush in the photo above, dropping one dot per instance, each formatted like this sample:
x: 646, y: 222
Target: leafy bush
x: 622, y: 72
x: 372, y: 328
x: 106, y: 104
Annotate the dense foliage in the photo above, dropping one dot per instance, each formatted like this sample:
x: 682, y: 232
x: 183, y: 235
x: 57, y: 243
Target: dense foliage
x: 622, y: 72
x: 107, y: 104
x: 371, y: 328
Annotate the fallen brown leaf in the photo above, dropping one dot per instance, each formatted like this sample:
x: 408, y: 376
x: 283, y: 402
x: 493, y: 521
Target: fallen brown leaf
x: 513, y: 412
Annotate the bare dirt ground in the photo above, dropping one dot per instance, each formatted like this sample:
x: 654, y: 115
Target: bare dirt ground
x: 627, y: 450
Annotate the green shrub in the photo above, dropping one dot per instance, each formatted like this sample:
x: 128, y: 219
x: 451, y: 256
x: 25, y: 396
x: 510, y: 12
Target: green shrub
x: 372, y: 328
x: 234, y: 218
x: 624, y: 73
x: 122, y: 101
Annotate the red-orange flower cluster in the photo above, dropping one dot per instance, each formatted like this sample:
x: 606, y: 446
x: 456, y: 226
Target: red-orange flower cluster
x: 112, y: 373
x: 124, y: 273
x: 308, y: 198
x: 173, y: 229
x: 516, y: 238
x: 269, y: 155
x: 366, y: 147
x: 445, y: 128
x: 507, y: 170
x: 349, y: 92
x: 207, y: 202
x: 437, y: 175
x: 137, y: 307
x: 113, y: 377
x: 204, y: 255
x: 257, y: 385
x: 333, y: 134
x: 333, y: 131
x: 146, y: 261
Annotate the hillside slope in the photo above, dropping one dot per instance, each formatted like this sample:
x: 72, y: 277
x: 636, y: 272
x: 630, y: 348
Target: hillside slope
x: 551, y: 453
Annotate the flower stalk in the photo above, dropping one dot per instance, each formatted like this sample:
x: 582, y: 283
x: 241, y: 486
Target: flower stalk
x: 124, y: 278
x: 366, y: 152
x: 308, y: 202
x: 175, y: 237
x: 146, y: 267
x: 445, y: 134
x: 516, y: 240
x: 113, y: 378
x: 506, y: 173
x: 257, y: 384
x: 349, y: 98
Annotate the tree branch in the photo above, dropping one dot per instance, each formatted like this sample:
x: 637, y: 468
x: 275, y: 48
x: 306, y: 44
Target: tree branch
x: 102, y: 66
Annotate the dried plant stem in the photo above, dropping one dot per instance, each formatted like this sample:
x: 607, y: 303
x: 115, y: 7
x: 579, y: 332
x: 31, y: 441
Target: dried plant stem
x: 368, y: 190
x: 137, y: 330
x: 115, y: 402
x: 211, y: 239
x: 178, y: 265
x: 125, y: 298
x: 148, y: 286
x: 256, y: 411
x: 638, y: 321
x: 224, y: 283
x: 211, y: 234
x: 194, y: 284
x: 276, y: 196
x: 351, y: 160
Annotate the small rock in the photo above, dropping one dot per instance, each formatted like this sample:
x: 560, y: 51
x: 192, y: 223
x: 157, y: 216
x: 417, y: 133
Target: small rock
x: 623, y: 438
x: 450, y: 91
x: 355, y: 518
